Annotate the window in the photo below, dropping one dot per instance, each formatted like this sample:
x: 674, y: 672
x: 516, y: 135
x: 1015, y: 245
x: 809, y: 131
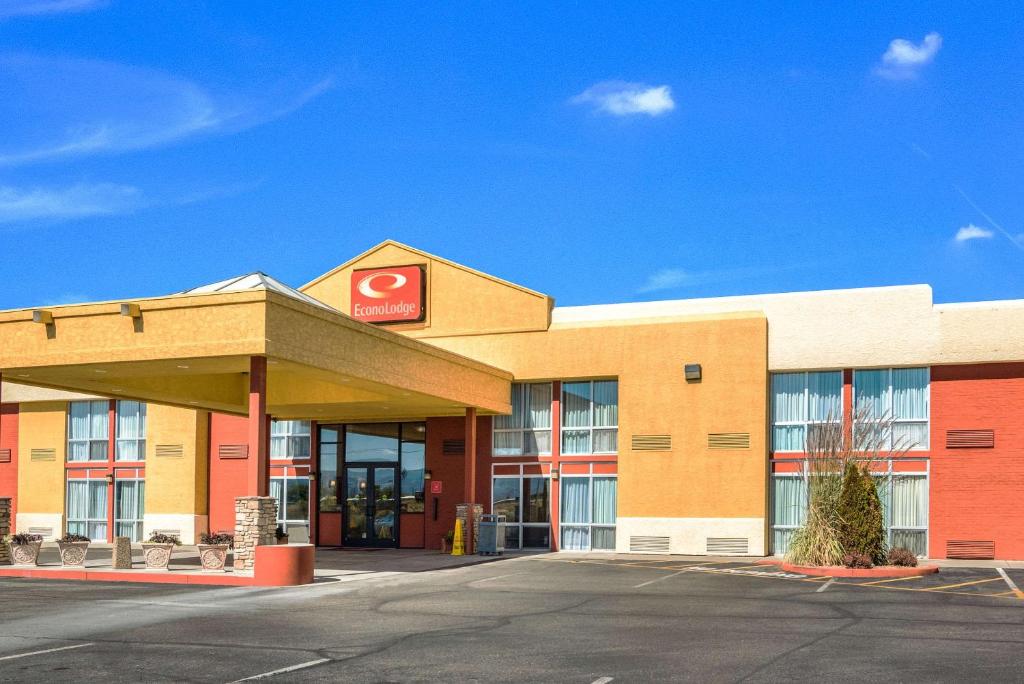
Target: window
x: 801, y: 402
x: 526, y: 504
x: 528, y: 429
x: 373, y: 442
x: 789, y: 506
x: 292, y: 494
x: 590, y: 417
x: 413, y: 450
x: 87, y: 508
x: 899, y: 395
x: 131, y: 432
x: 129, y: 504
x: 289, y: 439
x: 88, y: 435
x: 588, y: 513
x: 328, y: 470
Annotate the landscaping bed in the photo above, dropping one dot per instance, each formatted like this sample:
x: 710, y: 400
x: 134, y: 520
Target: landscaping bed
x: 879, y: 571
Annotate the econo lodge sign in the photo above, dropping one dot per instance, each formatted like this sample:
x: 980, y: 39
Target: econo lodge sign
x: 389, y: 295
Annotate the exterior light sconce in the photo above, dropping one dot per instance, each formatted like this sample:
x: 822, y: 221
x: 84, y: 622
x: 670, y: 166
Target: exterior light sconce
x: 692, y: 372
x: 554, y: 474
x: 110, y: 478
x: 130, y: 309
x: 312, y: 475
x: 427, y: 474
x: 42, y: 316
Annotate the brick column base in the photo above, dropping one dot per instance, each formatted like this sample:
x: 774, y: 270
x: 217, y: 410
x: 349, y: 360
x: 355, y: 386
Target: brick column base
x: 255, y: 524
x: 460, y: 514
x: 5, y: 529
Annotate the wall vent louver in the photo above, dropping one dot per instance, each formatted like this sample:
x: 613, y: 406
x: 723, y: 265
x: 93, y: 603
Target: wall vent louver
x: 729, y: 440
x: 169, y: 533
x: 170, y: 450
x: 233, y: 451
x: 642, y: 544
x: 453, y: 447
x: 727, y: 546
x: 5, y: 455
x: 651, y: 443
x: 41, y: 531
x: 43, y: 454
x: 970, y: 439
x: 970, y: 549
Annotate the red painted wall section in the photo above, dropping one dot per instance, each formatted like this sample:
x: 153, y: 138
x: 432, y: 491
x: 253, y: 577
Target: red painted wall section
x: 227, y: 476
x: 978, y: 494
x: 411, y: 530
x: 450, y: 471
x: 9, y: 471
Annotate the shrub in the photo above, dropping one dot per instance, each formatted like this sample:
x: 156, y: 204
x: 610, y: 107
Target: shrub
x: 862, y: 527
x: 857, y: 560
x: 217, y: 539
x: 25, y: 538
x: 902, y: 557
x: 72, y: 537
x: 160, y: 538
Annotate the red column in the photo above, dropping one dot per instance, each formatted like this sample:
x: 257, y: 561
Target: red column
x: 258, y: 472
x: 470, y: 475
x: 1, y: 390
x: 314, y: 481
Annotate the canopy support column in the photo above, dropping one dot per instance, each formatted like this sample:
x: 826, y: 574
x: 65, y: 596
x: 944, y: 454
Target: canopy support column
x: 258, y: 472
x: 470, y: 488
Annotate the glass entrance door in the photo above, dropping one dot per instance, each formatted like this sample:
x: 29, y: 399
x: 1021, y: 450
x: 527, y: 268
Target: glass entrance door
x: 371, y: 506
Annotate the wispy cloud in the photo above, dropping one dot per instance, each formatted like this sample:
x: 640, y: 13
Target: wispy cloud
x: 76, y: 201
x: 973, y: 232
x: 24, y: 8
x: 675, y: 278
x: 620, y: 98
x: 904, y: 59
x: 1015, y: 240
x: 67, y: 298
x: 60, y: 108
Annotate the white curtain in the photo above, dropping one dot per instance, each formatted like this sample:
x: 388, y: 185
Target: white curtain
x: 539, y: 415
x: 910, y: 393
x: 824, y: 396
x: 604, y: 500
x: 277, y: 491
x: 87, y: 431
x: 515, y: 419
x: 788, y: 405
x: 606, y: 403
x: 789, y: 500
x: 575, y: 538
x: 129, y: 502
x: 87, y: 508
x: 508, y: 443
x: 909, y: 501
x: 871, y: 392
x: 575, y: 404
x: 131, y: 431
x: 289, y: 438
x: 575, y: 500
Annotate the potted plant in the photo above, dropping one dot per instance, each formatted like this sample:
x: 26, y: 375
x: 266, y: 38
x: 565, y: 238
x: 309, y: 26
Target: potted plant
x: 446, y: 541
x: 213, y: 550
x: 157, y: 550
x: 24, y: 548
x: 73, y: 548
x: 281, y: 535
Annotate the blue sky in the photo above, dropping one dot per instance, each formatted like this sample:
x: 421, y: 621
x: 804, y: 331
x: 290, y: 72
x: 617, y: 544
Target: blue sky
x: 598, y: 153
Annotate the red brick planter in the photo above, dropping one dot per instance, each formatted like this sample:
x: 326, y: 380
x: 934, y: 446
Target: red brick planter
x: 878, y: 571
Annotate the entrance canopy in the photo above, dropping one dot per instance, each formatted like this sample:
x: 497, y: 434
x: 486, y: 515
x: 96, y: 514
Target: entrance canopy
x: 194, y: 349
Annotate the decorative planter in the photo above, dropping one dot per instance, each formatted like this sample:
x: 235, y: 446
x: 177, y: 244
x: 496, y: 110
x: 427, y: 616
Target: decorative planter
x: 72, y: 554
x: 282, y: 540
x: 213, y: 557
x: 157, y: 556
x: 25, y: 554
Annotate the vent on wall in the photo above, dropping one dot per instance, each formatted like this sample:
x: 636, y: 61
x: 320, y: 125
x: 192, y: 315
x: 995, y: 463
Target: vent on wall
x: 970, y: 439
x: 43, y: 454
x: 648, y: 544
x: 170, y: 450
x: 5, y: 455
x: 727, y: 546
x: 651, y: 443
x: 453, y: 447
x: 41, y: 531
x: 233, y: 451
x: 729, y: 440
x: 169, y: 533
x: 971, y: 549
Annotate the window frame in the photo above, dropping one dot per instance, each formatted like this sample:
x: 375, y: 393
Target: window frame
x: 521, y: 477
x: 138, y: 523
x: 138, y: 441
x: 89, y: 441
x: 590, y: 525
x: 287, y: 436
x: 282, y: 510
x: 591, y: 428
x: 806, y: 423
x: 88, y: 521
x: 890, y: 399
x: 523, y: 429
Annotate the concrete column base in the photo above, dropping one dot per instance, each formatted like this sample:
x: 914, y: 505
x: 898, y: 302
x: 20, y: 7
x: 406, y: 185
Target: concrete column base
x: 255, y: 523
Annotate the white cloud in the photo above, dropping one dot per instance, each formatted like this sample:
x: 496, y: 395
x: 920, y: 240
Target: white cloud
x: 904, y: 60
x: 61, y: 108
x: 76, y: 201
x: 22, y: 8
x: 666, y: 279
x: 620, y: 98
x: 973, y: 232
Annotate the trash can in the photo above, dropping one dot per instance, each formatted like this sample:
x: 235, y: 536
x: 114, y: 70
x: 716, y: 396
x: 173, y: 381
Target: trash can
x: 491, y: 541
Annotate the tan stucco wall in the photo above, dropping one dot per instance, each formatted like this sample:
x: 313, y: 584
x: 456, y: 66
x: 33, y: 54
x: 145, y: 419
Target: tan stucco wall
x: 41, y: 425
x: 176, y: 484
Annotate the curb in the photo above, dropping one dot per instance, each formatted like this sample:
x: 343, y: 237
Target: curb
x: 876, y: 572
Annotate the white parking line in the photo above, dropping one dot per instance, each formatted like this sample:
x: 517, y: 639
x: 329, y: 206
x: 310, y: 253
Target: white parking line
x: 283, y: 670
x: 48, y: 650
x: 602, y: 680
x: 1010, y: 583
x: 825, y: 586
x: 659, y: 579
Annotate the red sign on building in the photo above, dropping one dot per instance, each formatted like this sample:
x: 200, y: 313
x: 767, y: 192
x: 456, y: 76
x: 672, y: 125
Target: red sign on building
x: 389, y: 295
x: 436, y: 486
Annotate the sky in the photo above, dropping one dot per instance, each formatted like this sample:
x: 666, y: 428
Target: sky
x: 596, y: 152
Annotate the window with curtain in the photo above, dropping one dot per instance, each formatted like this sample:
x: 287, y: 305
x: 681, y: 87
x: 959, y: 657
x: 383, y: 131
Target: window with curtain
x: 525, y: 501
x: 899, y: 395
x: 590, y: 417
x: 588, y: 513
x: 789, y: 505
x: 801, y: 403
x: 289, y: 438
x: 527, y: 430
x: 131, y: 431
x: 129, y: 504
x: 88, y: 430
x: 292, y: 494
x: 87, y: 508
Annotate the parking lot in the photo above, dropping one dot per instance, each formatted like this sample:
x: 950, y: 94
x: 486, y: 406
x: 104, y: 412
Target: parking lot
x: 552, y: 617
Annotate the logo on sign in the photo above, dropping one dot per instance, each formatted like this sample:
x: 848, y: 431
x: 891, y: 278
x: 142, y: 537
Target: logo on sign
x: 388, y: 295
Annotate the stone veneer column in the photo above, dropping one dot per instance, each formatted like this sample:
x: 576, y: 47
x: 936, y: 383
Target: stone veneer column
x: 255, y: 524
x: 460, y: 514
x: 5, y: 529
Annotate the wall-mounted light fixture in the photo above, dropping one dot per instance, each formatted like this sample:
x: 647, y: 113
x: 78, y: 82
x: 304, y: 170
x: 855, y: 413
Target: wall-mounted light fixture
x: 131, y: 309
x: 42, y: 316
x: 110, y: 478
x: 554, y: 474
x: 312, y: 475
x: 427, y: 474
x: 692, y: 371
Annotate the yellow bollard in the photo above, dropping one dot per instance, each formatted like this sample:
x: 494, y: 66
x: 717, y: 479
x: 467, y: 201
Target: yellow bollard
x: 458, y: 548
